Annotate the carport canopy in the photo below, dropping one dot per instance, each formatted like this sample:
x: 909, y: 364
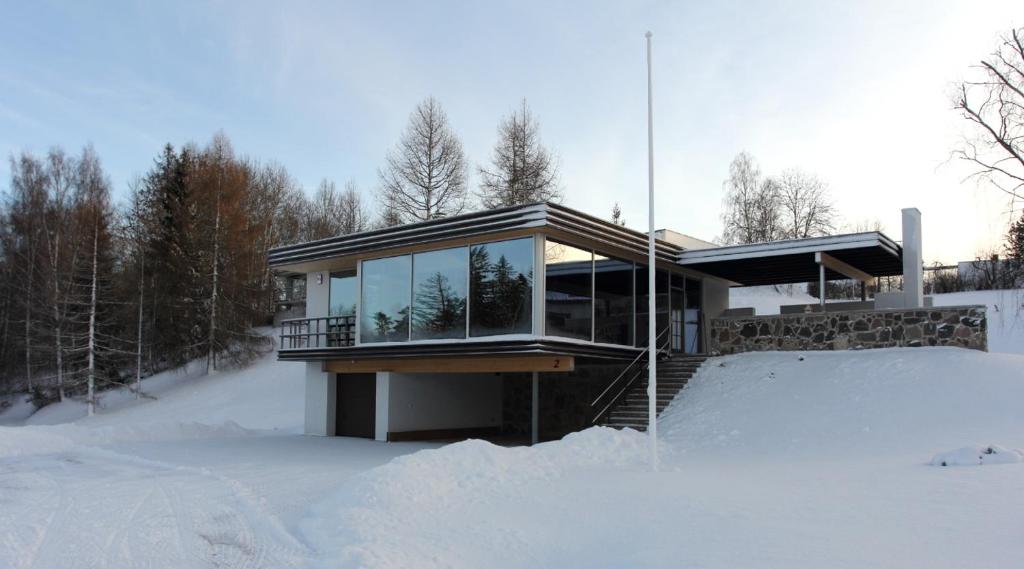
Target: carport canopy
x: 858, y: 256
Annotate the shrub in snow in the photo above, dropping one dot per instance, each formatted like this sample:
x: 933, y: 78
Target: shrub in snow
x: 977, y: 456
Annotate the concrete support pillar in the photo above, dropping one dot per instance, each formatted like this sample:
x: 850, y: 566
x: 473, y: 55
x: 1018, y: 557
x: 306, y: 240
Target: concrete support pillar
x: 535, y: 410
x: 321, y: 401
x: 913, y: 263
x: 383, y: 402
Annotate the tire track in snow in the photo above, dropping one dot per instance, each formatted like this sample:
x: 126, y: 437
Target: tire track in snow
x: 113, y: 510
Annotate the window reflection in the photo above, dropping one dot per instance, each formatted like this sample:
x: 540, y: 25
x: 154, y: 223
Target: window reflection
x: 343, y: 294
x: 568, y: 291
x: 661, y: 281
x: 501, y: 287
x: 440, y: 280
x: 384, y: 316
x: 613, y: 300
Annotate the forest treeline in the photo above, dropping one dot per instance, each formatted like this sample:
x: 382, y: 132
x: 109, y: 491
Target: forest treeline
x: 96, y: 293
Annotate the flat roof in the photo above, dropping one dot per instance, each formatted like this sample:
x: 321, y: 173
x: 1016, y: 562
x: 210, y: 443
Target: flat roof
x: 793, y: 260
x: 536, y: 217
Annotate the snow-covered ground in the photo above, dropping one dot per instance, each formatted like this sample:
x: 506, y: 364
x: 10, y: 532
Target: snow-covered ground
x: 210, y: 473
x: 768, y: 460
x: 766, y: 300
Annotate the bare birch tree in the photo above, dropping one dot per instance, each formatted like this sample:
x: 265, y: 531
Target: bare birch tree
x: 751, y: 204
x: 424, y: 177
x: 807, y: 209
x: 522, y: 170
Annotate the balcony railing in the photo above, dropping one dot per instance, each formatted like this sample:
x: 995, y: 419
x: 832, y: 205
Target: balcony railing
x: 323, y: 332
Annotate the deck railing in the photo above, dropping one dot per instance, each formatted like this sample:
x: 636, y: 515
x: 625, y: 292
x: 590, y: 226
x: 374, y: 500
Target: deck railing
x: 323, y: 332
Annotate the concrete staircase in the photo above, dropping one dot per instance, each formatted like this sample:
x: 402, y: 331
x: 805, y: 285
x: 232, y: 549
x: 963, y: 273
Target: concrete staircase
x: 673, y: 374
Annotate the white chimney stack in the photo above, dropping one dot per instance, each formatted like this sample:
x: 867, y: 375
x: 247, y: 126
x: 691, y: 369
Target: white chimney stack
x: 913, y: 263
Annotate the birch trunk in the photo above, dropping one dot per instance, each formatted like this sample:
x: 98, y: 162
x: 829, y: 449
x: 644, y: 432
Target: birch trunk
x: 92, y: 326
x: 138, y: 339
x: 211, y: 361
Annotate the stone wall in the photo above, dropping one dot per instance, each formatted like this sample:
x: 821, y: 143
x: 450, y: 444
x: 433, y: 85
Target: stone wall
x: 961, y: 326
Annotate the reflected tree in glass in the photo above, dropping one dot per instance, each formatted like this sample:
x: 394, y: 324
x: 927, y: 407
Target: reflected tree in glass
x: 501, y: 288
x: 439, y: 305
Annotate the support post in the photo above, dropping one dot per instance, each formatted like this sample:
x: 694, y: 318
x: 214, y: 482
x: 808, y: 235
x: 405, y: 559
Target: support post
x: 383, y: 406
x: 535, y: 410
x: 821, y: 285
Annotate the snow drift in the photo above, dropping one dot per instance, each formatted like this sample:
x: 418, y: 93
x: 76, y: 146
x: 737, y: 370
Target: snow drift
x: 802, y: 458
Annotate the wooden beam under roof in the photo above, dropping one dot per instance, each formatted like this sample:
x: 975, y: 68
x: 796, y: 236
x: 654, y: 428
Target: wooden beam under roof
x: 508, y: 364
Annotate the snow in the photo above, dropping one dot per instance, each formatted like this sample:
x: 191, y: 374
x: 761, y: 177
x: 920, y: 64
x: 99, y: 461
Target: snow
x: 1005, y: 315
x: 766, y: 300
x: 266, y: 395
x: 977, y: 456
x: 768, y: 460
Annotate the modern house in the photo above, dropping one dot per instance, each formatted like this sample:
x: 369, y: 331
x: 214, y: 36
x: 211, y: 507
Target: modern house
x: 531, y: 321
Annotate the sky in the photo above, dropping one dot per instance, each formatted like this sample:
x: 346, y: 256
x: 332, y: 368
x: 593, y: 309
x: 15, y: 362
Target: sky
x: 856, y: 93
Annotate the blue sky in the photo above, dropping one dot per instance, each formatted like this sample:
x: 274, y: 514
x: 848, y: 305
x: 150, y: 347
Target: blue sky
x: 854, y: 92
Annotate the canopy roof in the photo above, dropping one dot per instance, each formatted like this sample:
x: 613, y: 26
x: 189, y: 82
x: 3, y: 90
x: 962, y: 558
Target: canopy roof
x: 795, y: 260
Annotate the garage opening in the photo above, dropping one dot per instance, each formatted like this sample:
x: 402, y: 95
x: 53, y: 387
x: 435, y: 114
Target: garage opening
x: 356, y: 405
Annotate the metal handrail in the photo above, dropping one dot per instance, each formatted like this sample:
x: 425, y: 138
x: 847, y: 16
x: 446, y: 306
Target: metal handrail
x: 336, y: 331
x: 631, y: 381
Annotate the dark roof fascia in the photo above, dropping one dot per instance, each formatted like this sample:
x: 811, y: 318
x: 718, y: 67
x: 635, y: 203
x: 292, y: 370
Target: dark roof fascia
x: 462, y: 349
x: 791, y: 246
x: 476, y: 224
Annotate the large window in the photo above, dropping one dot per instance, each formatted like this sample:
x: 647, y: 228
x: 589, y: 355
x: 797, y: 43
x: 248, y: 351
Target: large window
x: 384, y: 312
x: 501, y: 287
x: 343, y: 294
x: 568, y: 301
x: 661, y: 323
x: 440, y: 280
x: 613, y: 301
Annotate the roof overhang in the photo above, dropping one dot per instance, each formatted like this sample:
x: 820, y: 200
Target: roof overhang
x: 797, y: 260
x: 559, y: 221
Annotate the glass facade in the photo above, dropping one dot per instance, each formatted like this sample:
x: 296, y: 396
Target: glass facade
x: 486, y: 289
x: 384, y: 307
x: 501, y: 288
x: 343, y: 294
x: 568, y: 289
x: 661, y: 283
x: 613, y: 301
x: 440, y: 283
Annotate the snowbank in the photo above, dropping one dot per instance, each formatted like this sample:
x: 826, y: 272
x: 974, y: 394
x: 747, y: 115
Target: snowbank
x: 834, y: 404
x: 977, y: 456
x: 267, y: 394
x: 801, y: 461
x: 406, y: 513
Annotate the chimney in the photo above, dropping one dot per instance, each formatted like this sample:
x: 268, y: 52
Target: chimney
x: 913, y: 263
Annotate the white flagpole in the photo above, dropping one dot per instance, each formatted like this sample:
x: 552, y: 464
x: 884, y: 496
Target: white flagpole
x: 652, y: 292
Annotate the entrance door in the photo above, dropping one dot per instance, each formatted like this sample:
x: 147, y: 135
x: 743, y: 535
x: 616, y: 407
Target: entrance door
x: 676, y: 316
x: 691, y: 317
x: 356, y: 405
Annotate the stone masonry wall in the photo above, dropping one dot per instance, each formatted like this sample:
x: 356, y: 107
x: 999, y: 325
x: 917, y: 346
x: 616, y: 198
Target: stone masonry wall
x: 962, y: 326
